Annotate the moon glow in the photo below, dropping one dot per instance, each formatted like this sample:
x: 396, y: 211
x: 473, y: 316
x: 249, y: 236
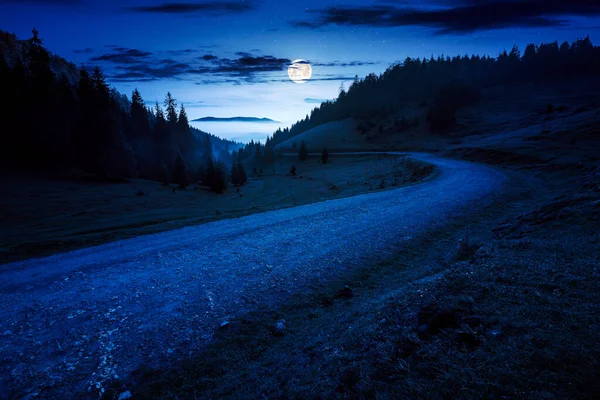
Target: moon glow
x: 300, y: 71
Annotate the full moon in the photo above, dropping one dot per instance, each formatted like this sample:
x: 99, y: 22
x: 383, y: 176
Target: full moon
x: 299, y: 71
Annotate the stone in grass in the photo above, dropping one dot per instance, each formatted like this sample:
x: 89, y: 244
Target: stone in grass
x: 224, y: 324
x: 279, y: 328
x: 125, y: 395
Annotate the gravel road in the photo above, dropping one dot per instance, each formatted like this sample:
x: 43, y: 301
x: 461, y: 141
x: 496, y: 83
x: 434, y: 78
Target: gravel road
x: 71, y: 322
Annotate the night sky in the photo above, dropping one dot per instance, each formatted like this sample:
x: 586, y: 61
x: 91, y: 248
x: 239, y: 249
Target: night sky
x: 229, y: 58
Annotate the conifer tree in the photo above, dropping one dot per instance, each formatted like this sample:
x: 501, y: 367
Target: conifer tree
x: 258, y: 155
x: 233, y: 174
x: 238, y: 174
x: 171, y: 110
x: 219, y: 178
x: 242, y: 177
x: 38, y: 62
x: 324, y: 156
x: 180, y: 172
x: 303, y: 152
x: 208, y: 173
x: 184, y: 139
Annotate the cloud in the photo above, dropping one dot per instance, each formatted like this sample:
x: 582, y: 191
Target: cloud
x: 199, y: 104
x: 316, y: 79
x: 124, y: 64
x: 333, y: 78
x: 123, y: 55
x: 449, y: 18
x: 182, y: 52
x: 212, y: 81
x: 314, y: 101
x: 83, y: 51
x: 245, y: 65
x: 153, y: 71
x: 133, y: 65
x: 213, y: 7
x: 343, y: 64
x: 46, y: 2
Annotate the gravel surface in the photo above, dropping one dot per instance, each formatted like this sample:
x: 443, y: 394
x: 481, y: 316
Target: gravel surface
x: 72, y: 322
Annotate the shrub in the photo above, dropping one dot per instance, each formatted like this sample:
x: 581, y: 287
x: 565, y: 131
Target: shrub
x: 361, y: 128
x: 180, y: 172
x: 303, y: 152
x: 165, y: 173
x: 324, y: 156
x: 208, y: 172
x: 219, y: 179
x: 238, y: 174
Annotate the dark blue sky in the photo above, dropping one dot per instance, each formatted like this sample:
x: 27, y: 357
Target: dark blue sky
x: 229, y: 58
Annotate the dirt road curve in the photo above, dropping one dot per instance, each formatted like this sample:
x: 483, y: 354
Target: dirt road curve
x: 71, y: 322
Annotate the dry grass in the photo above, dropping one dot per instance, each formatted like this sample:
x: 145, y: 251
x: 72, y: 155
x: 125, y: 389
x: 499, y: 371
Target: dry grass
x: 337, y: 135
x: 41, y: 217
x: 510, y: 313
x: 517, y: 319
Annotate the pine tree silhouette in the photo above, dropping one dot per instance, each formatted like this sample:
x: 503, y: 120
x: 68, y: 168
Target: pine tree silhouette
x: 324, y: 156
x: 303, y: 152
x: 180, y: 172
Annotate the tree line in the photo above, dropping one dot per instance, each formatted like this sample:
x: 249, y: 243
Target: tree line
x: 58, y: 117
x: 443, y: 82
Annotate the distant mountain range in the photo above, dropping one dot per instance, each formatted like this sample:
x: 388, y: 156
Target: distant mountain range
x: 236, y: 119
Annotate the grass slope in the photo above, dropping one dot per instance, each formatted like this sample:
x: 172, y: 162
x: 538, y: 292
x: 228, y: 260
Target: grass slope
x: 41, y: 217
x: 334, y: 136
x: 509, y: 311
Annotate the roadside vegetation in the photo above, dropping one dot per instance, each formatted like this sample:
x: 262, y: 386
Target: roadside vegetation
x: 499, y: 303
x: 503, y: 304
x: 47, y: 215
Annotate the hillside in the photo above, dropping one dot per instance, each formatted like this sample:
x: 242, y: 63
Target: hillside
x: 437, y: 88
x: 85, y: 126
x: 335, y: 136
x: 499, y: 300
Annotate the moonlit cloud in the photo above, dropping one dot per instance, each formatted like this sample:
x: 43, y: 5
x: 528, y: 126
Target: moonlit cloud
x: 213, y: 7
x: 460, y: 17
